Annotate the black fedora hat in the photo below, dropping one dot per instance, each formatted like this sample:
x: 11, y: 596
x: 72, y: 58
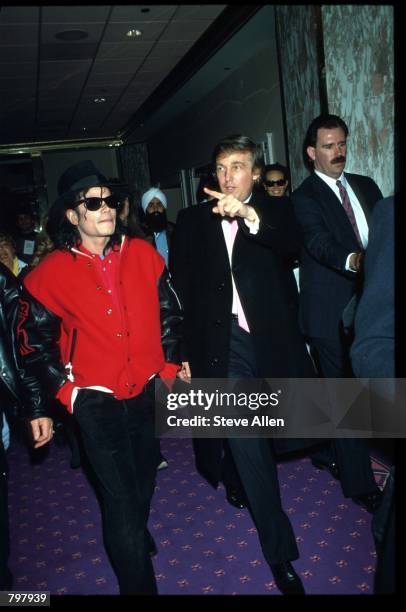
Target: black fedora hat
x: 81, y: 176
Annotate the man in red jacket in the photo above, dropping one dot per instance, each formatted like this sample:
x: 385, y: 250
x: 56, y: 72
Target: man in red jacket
x: 117, y: 319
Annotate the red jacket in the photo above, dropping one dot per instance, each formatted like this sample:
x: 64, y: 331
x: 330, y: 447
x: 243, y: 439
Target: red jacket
x: 117, y: 350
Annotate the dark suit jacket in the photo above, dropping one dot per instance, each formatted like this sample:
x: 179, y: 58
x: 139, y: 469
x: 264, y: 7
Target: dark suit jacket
x: 325, y: 286
x: 373, y: 349
x: 202, y: 276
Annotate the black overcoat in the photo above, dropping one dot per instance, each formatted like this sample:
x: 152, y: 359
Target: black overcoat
x: 261, y: 268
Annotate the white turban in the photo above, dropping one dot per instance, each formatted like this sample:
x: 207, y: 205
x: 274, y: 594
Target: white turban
x: 152, y: 193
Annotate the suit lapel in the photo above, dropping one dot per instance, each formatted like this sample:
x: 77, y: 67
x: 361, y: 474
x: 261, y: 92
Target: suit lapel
x: 216, y: 241
x: 328, y: 197
x: 330, y: 202
x: 360, y: 195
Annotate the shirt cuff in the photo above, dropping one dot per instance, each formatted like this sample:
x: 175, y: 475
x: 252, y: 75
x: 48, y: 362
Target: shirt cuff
x: 347, y: 264
x: 253, y: 226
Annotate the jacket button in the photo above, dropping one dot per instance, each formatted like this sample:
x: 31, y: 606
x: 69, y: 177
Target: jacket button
x: 119, y: 335
x: 109, y: 311
x: 220, y: 287
x: 214, y: 361
x: 218, y: 322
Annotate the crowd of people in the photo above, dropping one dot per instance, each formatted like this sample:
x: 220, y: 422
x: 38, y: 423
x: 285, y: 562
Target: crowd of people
x: 109, y: 297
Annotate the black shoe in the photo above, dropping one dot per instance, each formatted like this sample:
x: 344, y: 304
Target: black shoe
x: 330, y: 467
x: 286, y: 579
x: 369, y: 501
x: 152, y: 547
x: 236, y: 498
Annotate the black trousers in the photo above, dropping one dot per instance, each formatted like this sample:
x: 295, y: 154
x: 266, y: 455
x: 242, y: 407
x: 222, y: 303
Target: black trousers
x: 256, y: 466
x: 350, y: 454
x: 4, y: 519
x: 119, y: 441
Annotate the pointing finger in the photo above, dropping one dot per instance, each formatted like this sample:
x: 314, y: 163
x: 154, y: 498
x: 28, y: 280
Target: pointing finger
x: 215, y: 194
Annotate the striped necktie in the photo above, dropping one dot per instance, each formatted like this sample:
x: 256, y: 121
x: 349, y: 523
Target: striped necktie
x: 345, y: 200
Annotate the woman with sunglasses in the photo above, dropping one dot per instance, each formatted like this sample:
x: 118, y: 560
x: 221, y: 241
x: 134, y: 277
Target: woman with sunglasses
x: 275, y: 180
x: 276, y: 183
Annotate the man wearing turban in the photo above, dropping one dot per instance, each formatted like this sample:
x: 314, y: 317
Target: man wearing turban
x: 156, y: 226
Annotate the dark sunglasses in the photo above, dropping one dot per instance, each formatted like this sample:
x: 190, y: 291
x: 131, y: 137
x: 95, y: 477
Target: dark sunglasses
x: 93, y: 204
x: 279, y: 182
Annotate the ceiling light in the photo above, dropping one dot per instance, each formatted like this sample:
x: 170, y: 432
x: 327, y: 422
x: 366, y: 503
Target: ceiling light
x: 99, y: 100
x: 72, y: 35
x: 133, y: 33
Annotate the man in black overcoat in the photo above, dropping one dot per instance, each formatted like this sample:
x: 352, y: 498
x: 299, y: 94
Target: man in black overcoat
x: 229, y: 266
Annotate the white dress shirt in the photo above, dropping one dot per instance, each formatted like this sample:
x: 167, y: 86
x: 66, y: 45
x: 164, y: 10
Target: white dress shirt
x: 356, y: 207
x: 226, y: 226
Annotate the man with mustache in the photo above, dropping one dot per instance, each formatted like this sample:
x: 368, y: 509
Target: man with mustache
x: 333, y: 207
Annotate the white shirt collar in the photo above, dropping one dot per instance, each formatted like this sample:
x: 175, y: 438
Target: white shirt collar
x: 331, y: 182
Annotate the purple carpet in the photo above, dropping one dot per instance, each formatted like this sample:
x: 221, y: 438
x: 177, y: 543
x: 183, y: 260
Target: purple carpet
x: 205, y: 545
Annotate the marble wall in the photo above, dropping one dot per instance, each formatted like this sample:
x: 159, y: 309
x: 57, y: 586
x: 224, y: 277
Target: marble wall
x: 359, y: 62
x: 298, y: 53
x: 359, y: 72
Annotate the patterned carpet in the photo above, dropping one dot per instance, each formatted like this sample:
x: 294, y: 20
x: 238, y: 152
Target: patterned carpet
x: 205, y: 545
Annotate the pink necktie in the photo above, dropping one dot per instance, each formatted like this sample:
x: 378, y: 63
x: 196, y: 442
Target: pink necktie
x: 242, y: 321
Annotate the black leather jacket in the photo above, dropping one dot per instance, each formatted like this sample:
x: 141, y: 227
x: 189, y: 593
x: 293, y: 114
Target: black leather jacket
x: 20, y: 389
x: 42, y: 357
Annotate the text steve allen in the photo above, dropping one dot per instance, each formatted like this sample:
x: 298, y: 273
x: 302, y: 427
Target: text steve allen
x: 222, y: 421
